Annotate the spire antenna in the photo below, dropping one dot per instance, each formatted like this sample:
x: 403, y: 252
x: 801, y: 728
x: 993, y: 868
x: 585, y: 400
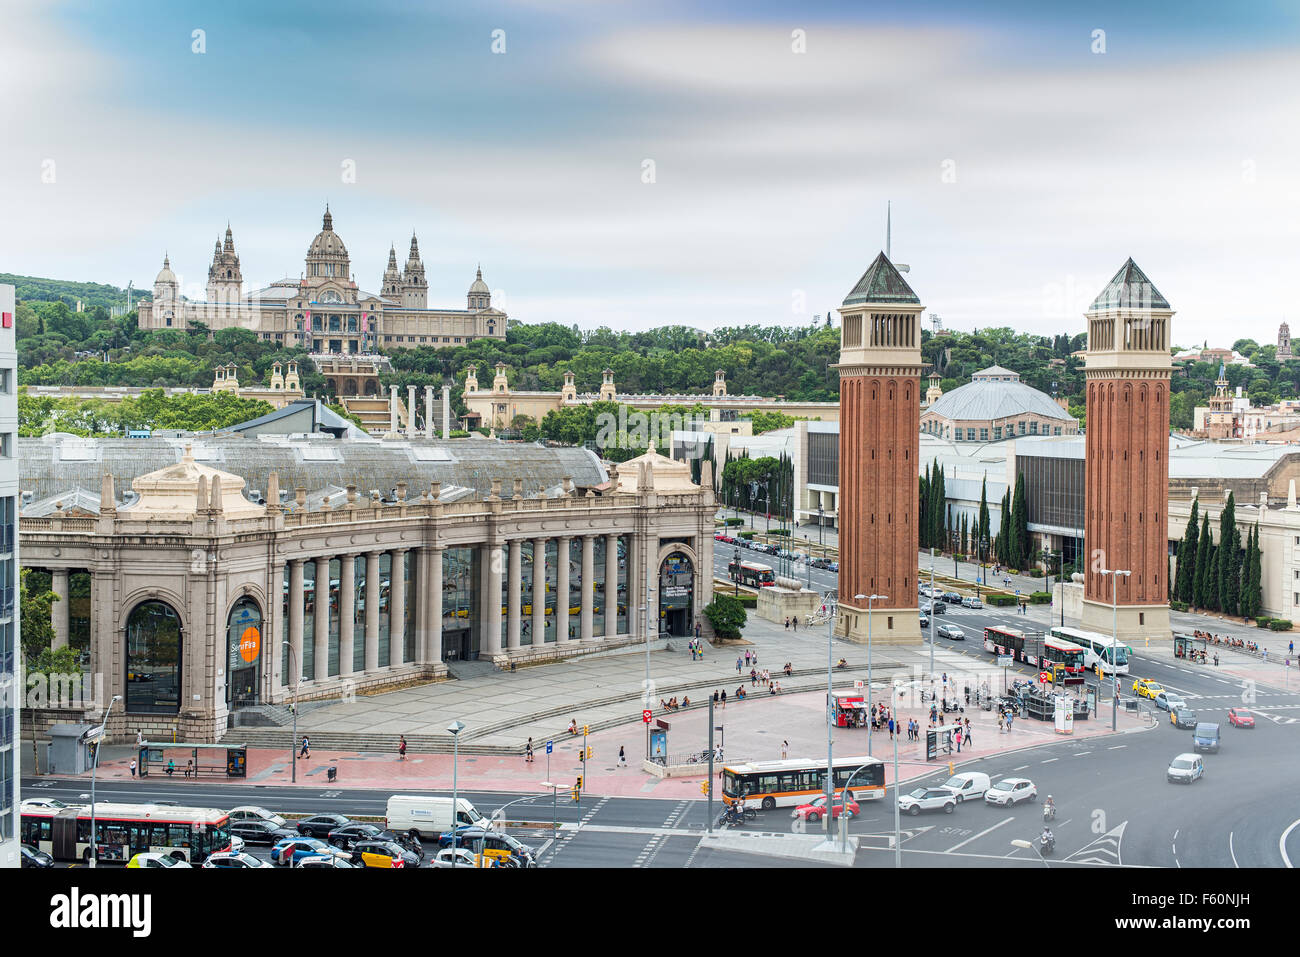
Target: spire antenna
x: 888, y: 228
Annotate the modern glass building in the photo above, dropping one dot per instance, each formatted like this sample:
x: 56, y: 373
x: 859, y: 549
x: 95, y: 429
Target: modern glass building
x: 9, y: 645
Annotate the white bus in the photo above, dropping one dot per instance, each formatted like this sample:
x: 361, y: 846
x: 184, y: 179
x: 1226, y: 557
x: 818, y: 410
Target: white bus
x: 798, y: 781
x: 124, y: 830
x: 1112, y: 654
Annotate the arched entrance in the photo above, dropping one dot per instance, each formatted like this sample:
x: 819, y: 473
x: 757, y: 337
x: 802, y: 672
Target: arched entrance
x: 244, y: 654
x: 676, y: 594
x: 153, y: 659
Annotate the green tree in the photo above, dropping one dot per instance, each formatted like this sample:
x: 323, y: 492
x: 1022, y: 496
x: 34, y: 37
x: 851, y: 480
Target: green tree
x: 982, y: 525
x: 37, y: 625
x: 726, y: 614
x: 1228, y: 578
x: 1186, y: 573
x: 1203, y: 596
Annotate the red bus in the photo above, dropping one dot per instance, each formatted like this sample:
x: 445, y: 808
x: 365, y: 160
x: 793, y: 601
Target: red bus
x: 1064, y: 659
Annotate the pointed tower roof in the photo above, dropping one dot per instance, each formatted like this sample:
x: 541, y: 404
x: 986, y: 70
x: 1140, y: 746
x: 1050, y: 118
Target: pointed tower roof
x: 478, y: 285
x: 327, y: 222
x: 392, y: 257
x: 881, y: 283
x: 1129, y: 289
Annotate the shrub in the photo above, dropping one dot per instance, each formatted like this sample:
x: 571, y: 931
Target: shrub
x: 729, y: 522
x: 1279, y: 624
x: 780, y: 531
x: 960, y: 558
x: 1177, y: 605
x: 1260, y: 622
x: 727, y: 616
x: 1013, y: 571
x: 746, y: 535
x: 1040, y: 598
x: 749, y: 601
x: 999, y: 599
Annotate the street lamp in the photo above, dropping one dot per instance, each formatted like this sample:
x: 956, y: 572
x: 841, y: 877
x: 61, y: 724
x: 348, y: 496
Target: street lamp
x: 827, y: 614
x: 454, y: 729
x: 820, y: 524
x: 735, y: 577
x: 870, y: 598
x: 1029, y: 845
x: 932, y: 612
x: 293, y: 706
x: 1114, y: 630
x: 983, y: 544
x: 98, y: 735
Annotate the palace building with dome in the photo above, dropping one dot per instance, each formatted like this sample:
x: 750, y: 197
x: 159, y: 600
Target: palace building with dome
x: 324, y: 310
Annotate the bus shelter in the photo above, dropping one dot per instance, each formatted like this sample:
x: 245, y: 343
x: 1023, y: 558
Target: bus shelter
x: 848, y: 709
x: 1190, y: 647
x: 192, y: 760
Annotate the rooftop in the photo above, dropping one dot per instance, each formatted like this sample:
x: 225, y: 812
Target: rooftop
x: 881, y: 283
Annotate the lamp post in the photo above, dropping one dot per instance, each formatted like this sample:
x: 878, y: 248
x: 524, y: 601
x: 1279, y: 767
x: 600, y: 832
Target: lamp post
x: 827, y: 614
x: 735, y: 577
x: 94, y: 767
x: 932, y: 612
x: 455, y: 728
x: 983, y: 544
x: 1029, y: 845
x: 293, y: 706
x: 820, y: 523
x: 870, y: 598
x: 1114, y: 630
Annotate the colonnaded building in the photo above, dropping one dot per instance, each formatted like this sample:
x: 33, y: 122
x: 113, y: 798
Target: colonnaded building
x: 324, y: 310
x: 189, y: 568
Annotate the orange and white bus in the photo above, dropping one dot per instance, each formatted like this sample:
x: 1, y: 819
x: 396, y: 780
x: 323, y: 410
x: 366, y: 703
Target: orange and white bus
x: 124, y: 830
x: 754, y: 574
x: 1064, y: 659
x: 800, y: 780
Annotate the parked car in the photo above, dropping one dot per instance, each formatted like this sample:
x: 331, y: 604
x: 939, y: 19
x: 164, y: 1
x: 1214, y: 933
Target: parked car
x: 319, y: 825
x: 152, y: 859
x: 52, y: 803
x: 323, y: 860
x: 1146, y: 688
x: 1011, y: 791
x: 952, y: 598
x: 1240, y: 718
x: 1205, y: 736
x: 230, y: 859
x: 1168, y: 700
x: 926, y: 607
x: 1182, y: 717
x: 454, y: 857
x: 495, y: 841
x: 250, y: 812
x: 925, y: 620
x: 951, y: 632
x: 971, y: 602
x: 833, y: 566
x: 382, y: 854
x: 349, y: 834
x: 32, y: 857
x: 927, y: 799
x: 815, y: 810
x: 260, y: 832
x: 293, y: 849
x: 1185, y: 769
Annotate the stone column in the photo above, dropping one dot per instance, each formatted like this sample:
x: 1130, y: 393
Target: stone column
x: 446, y: 412
x: 322, y: 637
x: 59, y: 610
x: 392, y: 409
x: 434, y: 650
x: 397, y: 607
x: 295, y: 622
x: 491, y: 639
x: 428, y: 411
x: 562, y: 589
x: 514, y: 587
x: 410, y: 411
x: 347, y: 611
x: 372, y: 612
x: 539, y: 592
x: 611, y: 585
x: 635, y: 595
x: 588, y: 580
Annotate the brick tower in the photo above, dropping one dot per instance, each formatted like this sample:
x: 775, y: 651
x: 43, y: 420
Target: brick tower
x: 1127, y: 461
x: 880, y: 424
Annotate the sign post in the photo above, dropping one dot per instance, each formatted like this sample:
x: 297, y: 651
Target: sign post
x: 645, y: 718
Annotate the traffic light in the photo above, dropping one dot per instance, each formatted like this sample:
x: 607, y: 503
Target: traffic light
x: 705, y: 787
x: 589, y: 752
x: 586, y: 730
x: 578, y: 785
x: 951, y: 769
x: 577, y: 794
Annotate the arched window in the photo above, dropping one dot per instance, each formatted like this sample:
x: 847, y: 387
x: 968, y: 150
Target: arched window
x: 244, y: 652
x: 153, y: 659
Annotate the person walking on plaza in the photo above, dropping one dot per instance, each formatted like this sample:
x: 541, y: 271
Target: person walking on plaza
x: 622, y: 757
x: 724, y: 698
x: 795, y: 619
x: 737, y: 664
x: 787, y: 622
x: 528, y: 752
x: 746, y: 656
x: 133, y: 767
x: 967, y: 733
x: 891, y: 729
x: 401, y: 747
x: 305, y: 752
x: 957, y: 737
x: 139, y: 737
x: 1002, y: 720
x: 785, y: 749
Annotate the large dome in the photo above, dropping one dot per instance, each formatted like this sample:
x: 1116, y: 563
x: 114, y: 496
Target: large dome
x: 996, y: 397
x: 327, y: 243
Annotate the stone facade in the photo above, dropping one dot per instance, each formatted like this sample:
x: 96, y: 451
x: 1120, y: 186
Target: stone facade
x: 880, y: 407
x: 1127, y: 471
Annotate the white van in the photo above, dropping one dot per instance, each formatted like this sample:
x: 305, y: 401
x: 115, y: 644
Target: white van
x: 428, y: 814
x: 1185, y: 768
x: 967, y: 786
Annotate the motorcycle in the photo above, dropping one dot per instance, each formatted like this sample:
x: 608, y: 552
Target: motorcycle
x: 1049, y: 812
x: 1046, y: 844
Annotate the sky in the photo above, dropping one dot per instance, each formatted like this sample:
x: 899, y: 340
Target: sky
x: 700, y: 163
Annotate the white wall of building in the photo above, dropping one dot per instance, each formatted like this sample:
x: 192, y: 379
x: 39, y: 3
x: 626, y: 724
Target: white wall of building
x: 10, y: 646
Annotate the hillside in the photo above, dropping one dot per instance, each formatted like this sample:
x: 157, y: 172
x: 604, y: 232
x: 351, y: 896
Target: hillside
x: 37, y: 289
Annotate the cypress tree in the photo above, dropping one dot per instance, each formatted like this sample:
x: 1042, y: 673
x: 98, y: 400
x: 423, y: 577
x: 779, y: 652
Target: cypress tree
x: 1187, y: 556
x: 1204, y: 559
x: 1247, y: 567
x: 1257, y: 577
x: 941, y: 512
x: 982, y: 526
x: 1019, y: 532
x: 1229, y: 562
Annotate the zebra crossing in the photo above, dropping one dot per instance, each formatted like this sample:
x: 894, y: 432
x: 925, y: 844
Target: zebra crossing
x: 652, y: 847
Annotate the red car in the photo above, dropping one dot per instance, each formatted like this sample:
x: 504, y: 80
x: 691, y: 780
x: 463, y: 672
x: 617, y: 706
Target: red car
x: 1240, y: 718
x: 815, y: 810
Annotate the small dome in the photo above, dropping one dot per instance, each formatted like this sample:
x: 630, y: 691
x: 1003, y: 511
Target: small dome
x: 166, y: 274
x: 479, y: 286
x: 327, y: 242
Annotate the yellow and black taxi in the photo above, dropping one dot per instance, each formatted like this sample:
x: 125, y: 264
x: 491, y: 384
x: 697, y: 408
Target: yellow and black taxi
x: 382, y: 854
x: 1183, y: 717
x: 1146, y: 688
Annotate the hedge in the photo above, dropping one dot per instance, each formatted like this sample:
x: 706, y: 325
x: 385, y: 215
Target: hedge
x: 960, y: 558
x: 1000, y: 599
x: 1177, y: 605
x: 746, y: 535
x: 733, y: 521
x: 1040, y: 598
x: 780, y: 531
x: 1279, y: 624
x: 749, y: 601
x: 1260, y: 622
x: 1013, y: 571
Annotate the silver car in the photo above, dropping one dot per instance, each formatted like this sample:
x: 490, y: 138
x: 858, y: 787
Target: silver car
x: 951, y: 632
x: 1169, y: 701
x: 1010, y: 791
x: 927, y: 799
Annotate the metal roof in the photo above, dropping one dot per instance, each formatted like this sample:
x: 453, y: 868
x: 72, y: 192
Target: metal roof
x: 881, y: 283
x: 1129, y: 289
x: 992, y: 399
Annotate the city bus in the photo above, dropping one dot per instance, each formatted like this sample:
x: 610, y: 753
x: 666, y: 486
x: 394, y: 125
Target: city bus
x: 800, y: 780
x: 754, y: 574
x: 124, y: 830
x: 1063, y: 658
x: 1103, y: 649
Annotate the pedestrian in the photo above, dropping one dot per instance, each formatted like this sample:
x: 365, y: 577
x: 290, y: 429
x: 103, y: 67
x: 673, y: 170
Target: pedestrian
x: 724, y: 698
x: 1002, y: 720
x: 139, y: 739
x: 528, y: 752
x: 967, y: 733
x: 967, y: 687
x: 755, y: 656
x: 737, y: 664
x: 715, y: 695
x: 401, y: 747
x: 957, y: 736
x: 171, y: 766
x: 796, y: 622
x: 622, y: 757
x: 189, y: 767
x: 746, y: 656
x: 1290, y: 648
x: 1009, y: 717
x: 305, y: 751
x: 697, y: 632
x: 785, y: 749
x: 787, y: 623
x: 133, y: 767
x: 753, y: 678
x: 891, y: 729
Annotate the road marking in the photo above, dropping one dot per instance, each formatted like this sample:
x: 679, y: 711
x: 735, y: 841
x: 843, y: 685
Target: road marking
x: 1116, y: 747
x: 1231, y: 851
x: 1048, y: 760
x: 1021, y: 768
x: 1281, y: 843
x: 976, y: 837
x: 1079, y: 754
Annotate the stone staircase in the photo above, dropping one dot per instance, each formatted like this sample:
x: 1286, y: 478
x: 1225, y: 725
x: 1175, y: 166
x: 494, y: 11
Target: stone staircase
x: 470, y: 669
x: 373, y: 412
